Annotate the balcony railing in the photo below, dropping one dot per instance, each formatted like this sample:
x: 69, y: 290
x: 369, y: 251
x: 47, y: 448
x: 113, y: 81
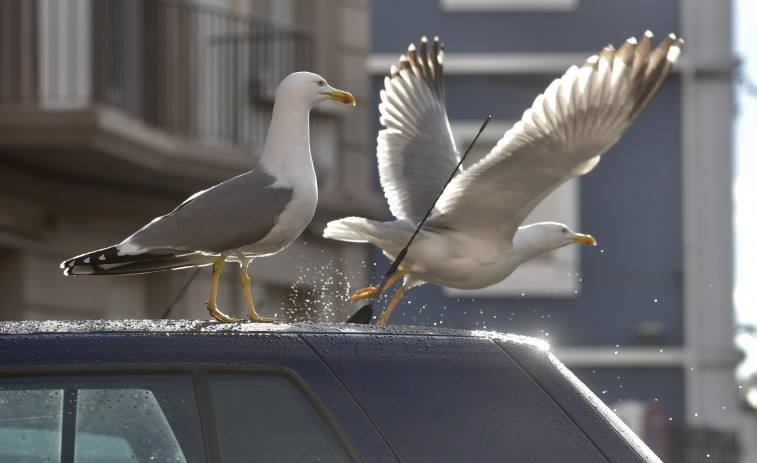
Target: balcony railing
x: 695, y: 444
x: 191, y: 70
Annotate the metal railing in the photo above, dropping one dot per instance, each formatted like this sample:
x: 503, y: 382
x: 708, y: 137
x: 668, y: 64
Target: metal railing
x: 693, y: 444
x: 19, y: 68
x: 193, y: 70
x: 189, y: 69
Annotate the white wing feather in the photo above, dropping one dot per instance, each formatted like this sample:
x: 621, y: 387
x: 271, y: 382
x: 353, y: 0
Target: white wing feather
x: 416, y: 152
x: 577, y: 118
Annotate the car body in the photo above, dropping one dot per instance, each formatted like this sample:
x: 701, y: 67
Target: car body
x: 200, y: 391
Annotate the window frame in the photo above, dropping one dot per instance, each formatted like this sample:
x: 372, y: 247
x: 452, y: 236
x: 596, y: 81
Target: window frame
x: 507, y: 6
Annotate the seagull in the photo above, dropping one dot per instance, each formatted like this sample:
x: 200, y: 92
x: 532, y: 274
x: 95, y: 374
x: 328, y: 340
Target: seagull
x: 258, y: 213
x: 474, y: 236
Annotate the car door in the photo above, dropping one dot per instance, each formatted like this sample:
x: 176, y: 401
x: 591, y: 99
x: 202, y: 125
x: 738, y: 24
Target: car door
x: 180, y: 398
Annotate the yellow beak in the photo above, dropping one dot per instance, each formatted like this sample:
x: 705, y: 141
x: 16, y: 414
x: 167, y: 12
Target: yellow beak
x: 586, y: 240
x: 342, y: 97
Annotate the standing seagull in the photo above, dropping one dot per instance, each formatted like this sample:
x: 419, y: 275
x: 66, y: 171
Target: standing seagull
x: 474, y: 237
x: 258, y: 213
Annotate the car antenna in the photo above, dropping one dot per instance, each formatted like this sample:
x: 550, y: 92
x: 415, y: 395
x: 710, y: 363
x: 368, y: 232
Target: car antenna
x: 167, y: 312
x: 364, y: 315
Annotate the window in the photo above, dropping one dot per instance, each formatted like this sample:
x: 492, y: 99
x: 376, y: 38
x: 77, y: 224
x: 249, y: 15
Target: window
x: 123, y: 423
x: 123, y: 418
x: 455, y: 6
x: 30, y: 423
x: 555, y: 274
x: 272, y: 419
x: 156, y: 418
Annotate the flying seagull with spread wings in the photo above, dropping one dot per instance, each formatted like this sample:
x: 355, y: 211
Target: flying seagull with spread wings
x: 474, y: 236
x: 255, y: 214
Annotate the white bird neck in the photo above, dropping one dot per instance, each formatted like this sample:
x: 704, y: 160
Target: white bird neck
x: 287, y: 144
x: 527, y: 243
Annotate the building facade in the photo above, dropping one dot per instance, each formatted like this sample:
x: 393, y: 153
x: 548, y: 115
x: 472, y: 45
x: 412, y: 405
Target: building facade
x: 645, y: 319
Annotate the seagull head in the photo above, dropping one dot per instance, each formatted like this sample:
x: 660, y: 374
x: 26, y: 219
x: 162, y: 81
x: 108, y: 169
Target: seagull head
x: 311, y: 88
x: 538, y: 238
x: 559, y: 235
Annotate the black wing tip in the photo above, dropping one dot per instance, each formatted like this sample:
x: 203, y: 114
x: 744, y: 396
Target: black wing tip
x: 648, y: 67
x: 112, y: 261
x: 85, y: 264
x: 79, y: 270
x: 423, y: 63
x: 641, y: 51
x: 417, y: 55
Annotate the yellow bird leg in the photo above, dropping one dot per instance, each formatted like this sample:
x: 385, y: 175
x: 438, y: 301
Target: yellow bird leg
x: 211, y: 304
x: 363, y: 293
x: 385, y: 316
x: 370, y: 291
x: 251, y: 313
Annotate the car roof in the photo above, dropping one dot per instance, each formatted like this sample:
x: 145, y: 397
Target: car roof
x: 203, y: 327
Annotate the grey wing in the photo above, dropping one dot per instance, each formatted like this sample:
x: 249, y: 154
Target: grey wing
x: 579, y: 117
x: 232, y: 214
x: 416, y: 152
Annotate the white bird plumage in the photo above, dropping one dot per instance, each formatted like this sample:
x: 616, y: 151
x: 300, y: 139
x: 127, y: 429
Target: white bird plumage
x: 474, y: 237
x: 255, y: 214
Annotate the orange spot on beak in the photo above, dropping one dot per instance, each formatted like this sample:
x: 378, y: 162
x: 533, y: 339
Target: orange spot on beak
x: 586, y: 240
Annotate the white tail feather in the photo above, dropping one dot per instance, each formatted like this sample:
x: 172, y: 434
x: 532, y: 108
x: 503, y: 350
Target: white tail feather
x: 352, y: 229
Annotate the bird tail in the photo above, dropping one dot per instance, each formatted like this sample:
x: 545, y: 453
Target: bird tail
x: 351, y: 229
x: 110, y: 261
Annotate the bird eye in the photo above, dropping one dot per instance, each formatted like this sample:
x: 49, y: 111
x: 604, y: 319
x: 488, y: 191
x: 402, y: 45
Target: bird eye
x: 321, y: 83
x: 563, y: 230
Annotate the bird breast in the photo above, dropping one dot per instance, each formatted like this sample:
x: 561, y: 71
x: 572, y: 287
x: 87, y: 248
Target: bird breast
x: 458, y: 262
x: 291, y: 222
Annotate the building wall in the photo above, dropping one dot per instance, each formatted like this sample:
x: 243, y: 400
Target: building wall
x: 581, y: 28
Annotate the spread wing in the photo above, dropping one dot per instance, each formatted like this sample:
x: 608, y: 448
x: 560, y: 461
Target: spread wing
x: 579, y: 117
x: 416, y: 152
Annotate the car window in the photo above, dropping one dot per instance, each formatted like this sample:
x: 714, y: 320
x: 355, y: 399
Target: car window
x: 274, y: 420
x: 156, y: 418
x: 30, y: 423
x: 121, y: 423
x: 100, y: 418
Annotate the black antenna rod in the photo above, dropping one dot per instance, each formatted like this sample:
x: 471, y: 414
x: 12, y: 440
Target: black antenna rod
x: 365, y: 313
x: 167, y: 312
